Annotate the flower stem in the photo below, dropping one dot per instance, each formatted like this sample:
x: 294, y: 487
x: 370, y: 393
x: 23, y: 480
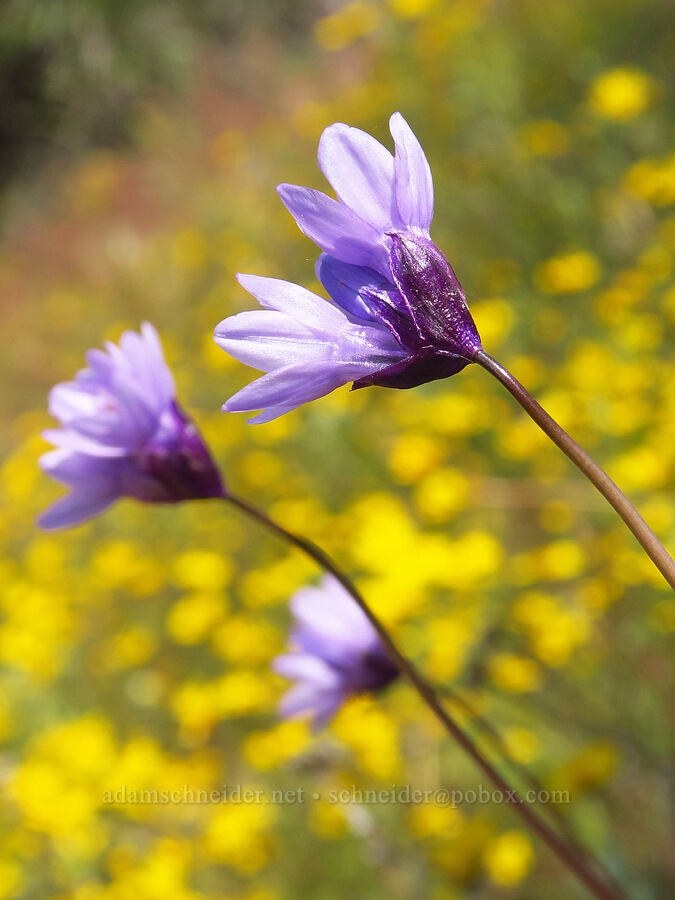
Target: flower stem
x: 614, y: 496
x: 566, y: 853
x: 495, y: 737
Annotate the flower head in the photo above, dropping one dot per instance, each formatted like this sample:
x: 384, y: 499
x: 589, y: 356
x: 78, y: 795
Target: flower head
x: 397, y: 316
x: 123, y: 434
x: 336, y: 653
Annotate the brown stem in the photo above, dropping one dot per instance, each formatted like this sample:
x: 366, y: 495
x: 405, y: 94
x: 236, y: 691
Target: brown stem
x: 614, y: 496
x: 560, y: 847
x: 494, y: 736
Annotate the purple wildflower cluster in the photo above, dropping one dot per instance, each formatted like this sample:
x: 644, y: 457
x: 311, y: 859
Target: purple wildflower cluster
x: 397, y: 315
x: 336, y: 654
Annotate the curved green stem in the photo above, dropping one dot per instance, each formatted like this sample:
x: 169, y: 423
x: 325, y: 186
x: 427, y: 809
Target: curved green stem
x: 565, y: 852
x: 663, y: 561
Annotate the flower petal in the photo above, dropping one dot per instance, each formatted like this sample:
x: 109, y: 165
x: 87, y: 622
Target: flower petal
x: 344, y: 282
x: 71, y: 467
x: 265, y: 339
x: 305, y: 667
x: 361, y: 172
x: 330, y: 623
x: 289, y: 388
x: 151, y: 375
x: 84, y: 502
x: 76, y: 442
x: 414, y: 187
x: 296, y: 302
x: 305, y: 699
x: 334, y: 227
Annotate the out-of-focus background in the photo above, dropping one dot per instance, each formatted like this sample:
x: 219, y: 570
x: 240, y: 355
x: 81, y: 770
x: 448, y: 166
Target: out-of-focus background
x: 140, y: 144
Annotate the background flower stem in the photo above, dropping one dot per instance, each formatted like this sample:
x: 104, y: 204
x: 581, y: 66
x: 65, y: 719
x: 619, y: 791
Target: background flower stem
x: 609, y: 490
x: 597, y: 885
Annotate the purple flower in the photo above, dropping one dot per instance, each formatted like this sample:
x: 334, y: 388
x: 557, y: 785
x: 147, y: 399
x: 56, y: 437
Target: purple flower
x: 122, y: 434
x: 337, y: 653
x: 397, y: 315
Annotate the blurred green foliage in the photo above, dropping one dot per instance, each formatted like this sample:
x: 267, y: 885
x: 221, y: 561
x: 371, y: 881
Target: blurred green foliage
x: 73, y: 72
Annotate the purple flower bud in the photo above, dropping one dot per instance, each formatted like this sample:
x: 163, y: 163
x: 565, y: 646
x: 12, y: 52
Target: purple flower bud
x: 336, y: 654
x: 397, y: 316
x: 123, y: 435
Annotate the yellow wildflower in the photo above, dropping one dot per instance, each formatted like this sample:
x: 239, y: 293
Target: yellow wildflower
x: 509, y: 858
x: 621, y: 93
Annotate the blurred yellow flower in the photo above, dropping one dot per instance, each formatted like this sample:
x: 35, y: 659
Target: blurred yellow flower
x: 561, y: 560
x: 411, y: 9
x: 328, y: 819
x: 442, y: 494
x: 11, y: 879
x: 543, y: 137
x: 202, y: 570
x: 240, y: 834
x: 621, y: 93
x: 523, y: 744
x: 128, y: 648
x: 39, y: 625
x: 260, y: 468
x: 509, y: 858
x: 355, y: 20
x: 494, y: 318
x: 568, y: 273
x: 431, y: 820
x: 372, y: 735
x: 269, y: 749
x: 243, y: 692
x: 653, y: 180
x: 7, y: 724
x: 641, y: 468
x: 514, y: 673
x: 554, y: 629
x: 120, y: 563
x: 414, y: 455
x: 276, y: 582
x: 58, y: 786
x: 162, y: 873
x: 196, y: 705
x: 192, y: 618
x: 450, y: 639
x: 246, y: 639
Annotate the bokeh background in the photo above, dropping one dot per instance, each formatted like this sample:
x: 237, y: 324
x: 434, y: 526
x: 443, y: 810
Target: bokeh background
x: 140, y: 144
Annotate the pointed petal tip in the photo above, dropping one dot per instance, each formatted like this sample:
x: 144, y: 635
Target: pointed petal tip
x: 149, y: 328
x: 52, y: 519
x: 42, y: 522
